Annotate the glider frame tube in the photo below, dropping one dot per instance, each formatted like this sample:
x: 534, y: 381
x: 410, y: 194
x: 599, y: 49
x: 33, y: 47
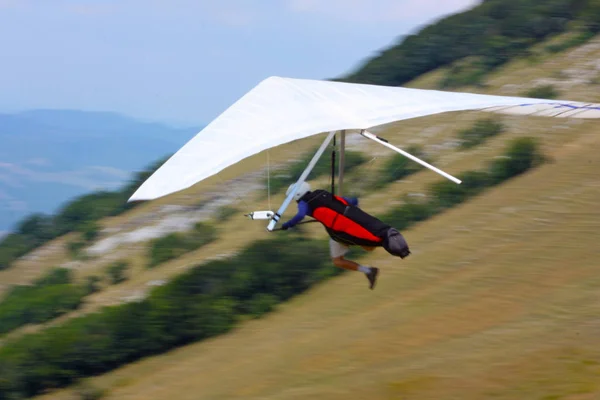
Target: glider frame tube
x: 377, y: 139
x: 342, y: 164
x: 302, y: 178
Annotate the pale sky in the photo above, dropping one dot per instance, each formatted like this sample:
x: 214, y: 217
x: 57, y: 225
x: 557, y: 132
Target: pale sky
x: 186, y: 61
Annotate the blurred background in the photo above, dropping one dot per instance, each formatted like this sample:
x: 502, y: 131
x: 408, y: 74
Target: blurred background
x: 185, y: 298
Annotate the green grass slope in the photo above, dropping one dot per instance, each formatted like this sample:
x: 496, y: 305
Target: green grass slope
x: 499, y: 299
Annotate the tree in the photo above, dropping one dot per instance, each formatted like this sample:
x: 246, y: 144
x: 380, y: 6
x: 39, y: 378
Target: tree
x: 39, y: 227
x: 116, y: 272
x: 521, y: 155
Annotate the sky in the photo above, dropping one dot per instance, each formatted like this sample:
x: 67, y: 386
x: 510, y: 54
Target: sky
x: 184, y: 62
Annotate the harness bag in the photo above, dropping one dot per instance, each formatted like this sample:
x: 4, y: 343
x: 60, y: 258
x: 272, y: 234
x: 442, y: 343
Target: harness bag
x: 395, y: 244
x: 350, y: 225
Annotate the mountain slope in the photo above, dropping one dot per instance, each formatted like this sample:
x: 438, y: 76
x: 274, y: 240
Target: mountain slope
x: 489, y: 35
x: 491, y: 303
x: 498, y: 300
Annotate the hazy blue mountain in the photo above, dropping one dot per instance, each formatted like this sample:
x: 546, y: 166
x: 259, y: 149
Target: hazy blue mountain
x: 49, y: 156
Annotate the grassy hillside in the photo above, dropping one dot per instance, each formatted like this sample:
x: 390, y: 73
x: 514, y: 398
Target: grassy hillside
x: 497, y: 301
x: 497, y: 287
x: 480, y: 40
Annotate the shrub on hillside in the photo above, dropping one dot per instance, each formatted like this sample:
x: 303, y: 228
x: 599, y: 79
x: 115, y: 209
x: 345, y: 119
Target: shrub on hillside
x: 49, y: 297
x: 202, y: 302
x: 410, y: 212
x: 75, y: 249
x: 175, y: 245
x: 225, y: 213
x: 262, y: 304
x: 397, y: 167
x: 90, y: 231
x: 521, y: 155
x: 37, y: 227
x: 469, y: 71
x: 493, y: 32
x: 591, y: 17
x: 14, y: 246
x: 92, y: 284
x: 446, y: 194
x: 542, y: 92
x: 480, y: 132
x: 205, y: 301
x: 117, y: 272
x: 56, y: 276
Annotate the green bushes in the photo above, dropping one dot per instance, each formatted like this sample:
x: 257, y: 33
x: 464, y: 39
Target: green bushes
x: 75, y: 249
x: 206, y: 301
x: 446, y: 194
x: 261, y: 304
x: 210, y: 299
x: 590, y: 16
x: 520, y: 155
x: 14, y: 246
x: 491, y: 33
x: 482, y: 130
x: 50, y: 297
x: 92, y: 284
x: 175, y: 245
x: 89, y: 231
x: 225, y: 213
x: 470, y: 71
x: 409, y: 213
x: 116, y: 272
x: 399, y: 166
x: 56, y: 276
x: 542, y: 92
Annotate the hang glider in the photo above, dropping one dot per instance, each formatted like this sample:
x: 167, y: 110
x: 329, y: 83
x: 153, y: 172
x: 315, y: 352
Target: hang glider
x: 279, y: 110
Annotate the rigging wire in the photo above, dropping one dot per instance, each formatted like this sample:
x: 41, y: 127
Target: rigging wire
x: 333, y: 150
x: 269, y: 179
x: 240, y: 199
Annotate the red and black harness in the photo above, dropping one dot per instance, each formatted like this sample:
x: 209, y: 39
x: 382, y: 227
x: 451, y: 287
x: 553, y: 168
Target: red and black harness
x: 345, y: 223
x: 350, y: 225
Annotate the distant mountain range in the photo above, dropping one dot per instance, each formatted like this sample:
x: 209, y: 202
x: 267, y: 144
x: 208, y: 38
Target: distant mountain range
x: 50, y: 156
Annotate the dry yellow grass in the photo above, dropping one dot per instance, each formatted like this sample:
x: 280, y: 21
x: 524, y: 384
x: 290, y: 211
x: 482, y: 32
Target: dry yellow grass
x: 431, y: 131
x: 238, y: 232
x: 498, y: 300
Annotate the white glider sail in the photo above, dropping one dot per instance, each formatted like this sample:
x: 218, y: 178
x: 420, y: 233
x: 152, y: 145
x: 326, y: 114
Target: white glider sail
x: 280, y: 110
